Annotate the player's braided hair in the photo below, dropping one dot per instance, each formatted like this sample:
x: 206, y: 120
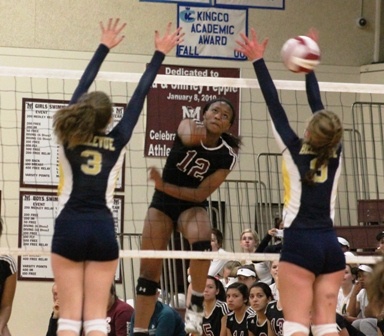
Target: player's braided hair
x: 325, y: 132
x: 76, y: 124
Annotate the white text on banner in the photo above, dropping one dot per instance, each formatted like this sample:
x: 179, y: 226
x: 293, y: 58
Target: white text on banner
x: 211, y: 32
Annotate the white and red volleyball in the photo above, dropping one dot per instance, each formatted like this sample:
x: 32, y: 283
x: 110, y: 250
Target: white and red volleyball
x: 300, y: 54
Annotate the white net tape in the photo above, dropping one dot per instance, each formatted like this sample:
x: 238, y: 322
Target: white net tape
x: 152, y: 254
x: 191, y: 80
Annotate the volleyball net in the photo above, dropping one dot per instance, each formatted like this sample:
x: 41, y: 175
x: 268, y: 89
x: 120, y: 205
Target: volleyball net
x: 252, y: 196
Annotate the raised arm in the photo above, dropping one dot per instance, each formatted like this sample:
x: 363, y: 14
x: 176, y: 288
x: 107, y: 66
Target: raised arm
x: 110, y: 37
x: 254, y: 51
x: 163, y: 45
x: 311, y: 84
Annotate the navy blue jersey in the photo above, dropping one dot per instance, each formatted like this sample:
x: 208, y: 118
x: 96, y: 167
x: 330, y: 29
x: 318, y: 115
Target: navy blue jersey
x: 275, y: 317
x: 88, y: 172
x: 305, y: 206
x: 212, y: 322
x: 84, y: 227
x: 257, y: 328
x: 239, y: 328
x: 189, y: 166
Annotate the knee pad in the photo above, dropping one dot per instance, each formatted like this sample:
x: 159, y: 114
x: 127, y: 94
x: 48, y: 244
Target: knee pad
x: 323, y: 329
x: 146, y: 287
x: 70, y: 325
x: 289, y: 328
x: 95, y: 325
x: 204, y: 245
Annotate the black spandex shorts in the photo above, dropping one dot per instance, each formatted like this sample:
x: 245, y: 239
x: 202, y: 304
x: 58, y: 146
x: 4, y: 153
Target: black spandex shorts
x: 171, y: 206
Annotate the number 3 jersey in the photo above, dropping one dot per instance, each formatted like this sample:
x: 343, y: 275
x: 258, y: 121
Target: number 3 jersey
x: 305, y: 206
x: 189, y: 166
x: 88, y: 172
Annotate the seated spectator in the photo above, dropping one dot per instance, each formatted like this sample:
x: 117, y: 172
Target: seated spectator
x: 165, y: 320
x: 119, y: 315
x: 276, y: 236
x: 237, y: 301
x: 380, y: 239
x: 246, y: 274
x: 249, y: 242
x: 358, y: 300
x: 8, y: 280
x: 259, y: 296
x: 346, y: 290
x: 216, y: 265
x: 356, y: 310
x: 274, y: 273
x: 215, y: 307
x: 230, y: 272
x: 52, y: 326
x: 375, y: 293
x: 345, y: 246
x: 217, y: 246
x: 274, y: 314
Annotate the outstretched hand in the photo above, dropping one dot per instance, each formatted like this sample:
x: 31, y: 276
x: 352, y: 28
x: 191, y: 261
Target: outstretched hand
x: 166, y: 43
x: 251, y: 47
x: 110, y: 35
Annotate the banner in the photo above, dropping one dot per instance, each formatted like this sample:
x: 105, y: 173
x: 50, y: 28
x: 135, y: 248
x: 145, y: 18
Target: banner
x: 211, y: 32
x: 36, y: 226
x: 168, y: 104
x: 39, y: 149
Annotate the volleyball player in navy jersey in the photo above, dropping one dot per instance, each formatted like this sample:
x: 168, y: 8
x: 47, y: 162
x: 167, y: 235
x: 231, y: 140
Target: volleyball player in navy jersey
x: 312, y: 264
x: 84, y: 246
x: 201, y: 158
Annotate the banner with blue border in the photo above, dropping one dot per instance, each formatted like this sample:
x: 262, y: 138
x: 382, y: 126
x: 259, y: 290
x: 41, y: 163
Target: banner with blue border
x: 211, y: 32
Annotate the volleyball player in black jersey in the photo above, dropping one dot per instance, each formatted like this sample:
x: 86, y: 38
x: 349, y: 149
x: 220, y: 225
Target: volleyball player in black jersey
x: 215, y: 308
x: 200, y: 159
x: 312, y: 264
x: 84, y: 246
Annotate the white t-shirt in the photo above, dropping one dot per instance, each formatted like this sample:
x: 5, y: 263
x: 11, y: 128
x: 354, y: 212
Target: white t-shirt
x: 275, y: 291
x: 343, y: 301
x: 263, y: 272
x: 216, y: 265
x: 362, y: 298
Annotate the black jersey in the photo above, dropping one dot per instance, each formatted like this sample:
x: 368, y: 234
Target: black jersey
x: 258, y: 329
x: 189, y: 166
x: 239, y: 328
x: 275, y: 317
x: 305, y: 206
x: 7, y: 268
x: 212, y: 323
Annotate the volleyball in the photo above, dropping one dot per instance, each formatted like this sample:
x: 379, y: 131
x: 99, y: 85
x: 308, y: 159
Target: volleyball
x: 300, y: 54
